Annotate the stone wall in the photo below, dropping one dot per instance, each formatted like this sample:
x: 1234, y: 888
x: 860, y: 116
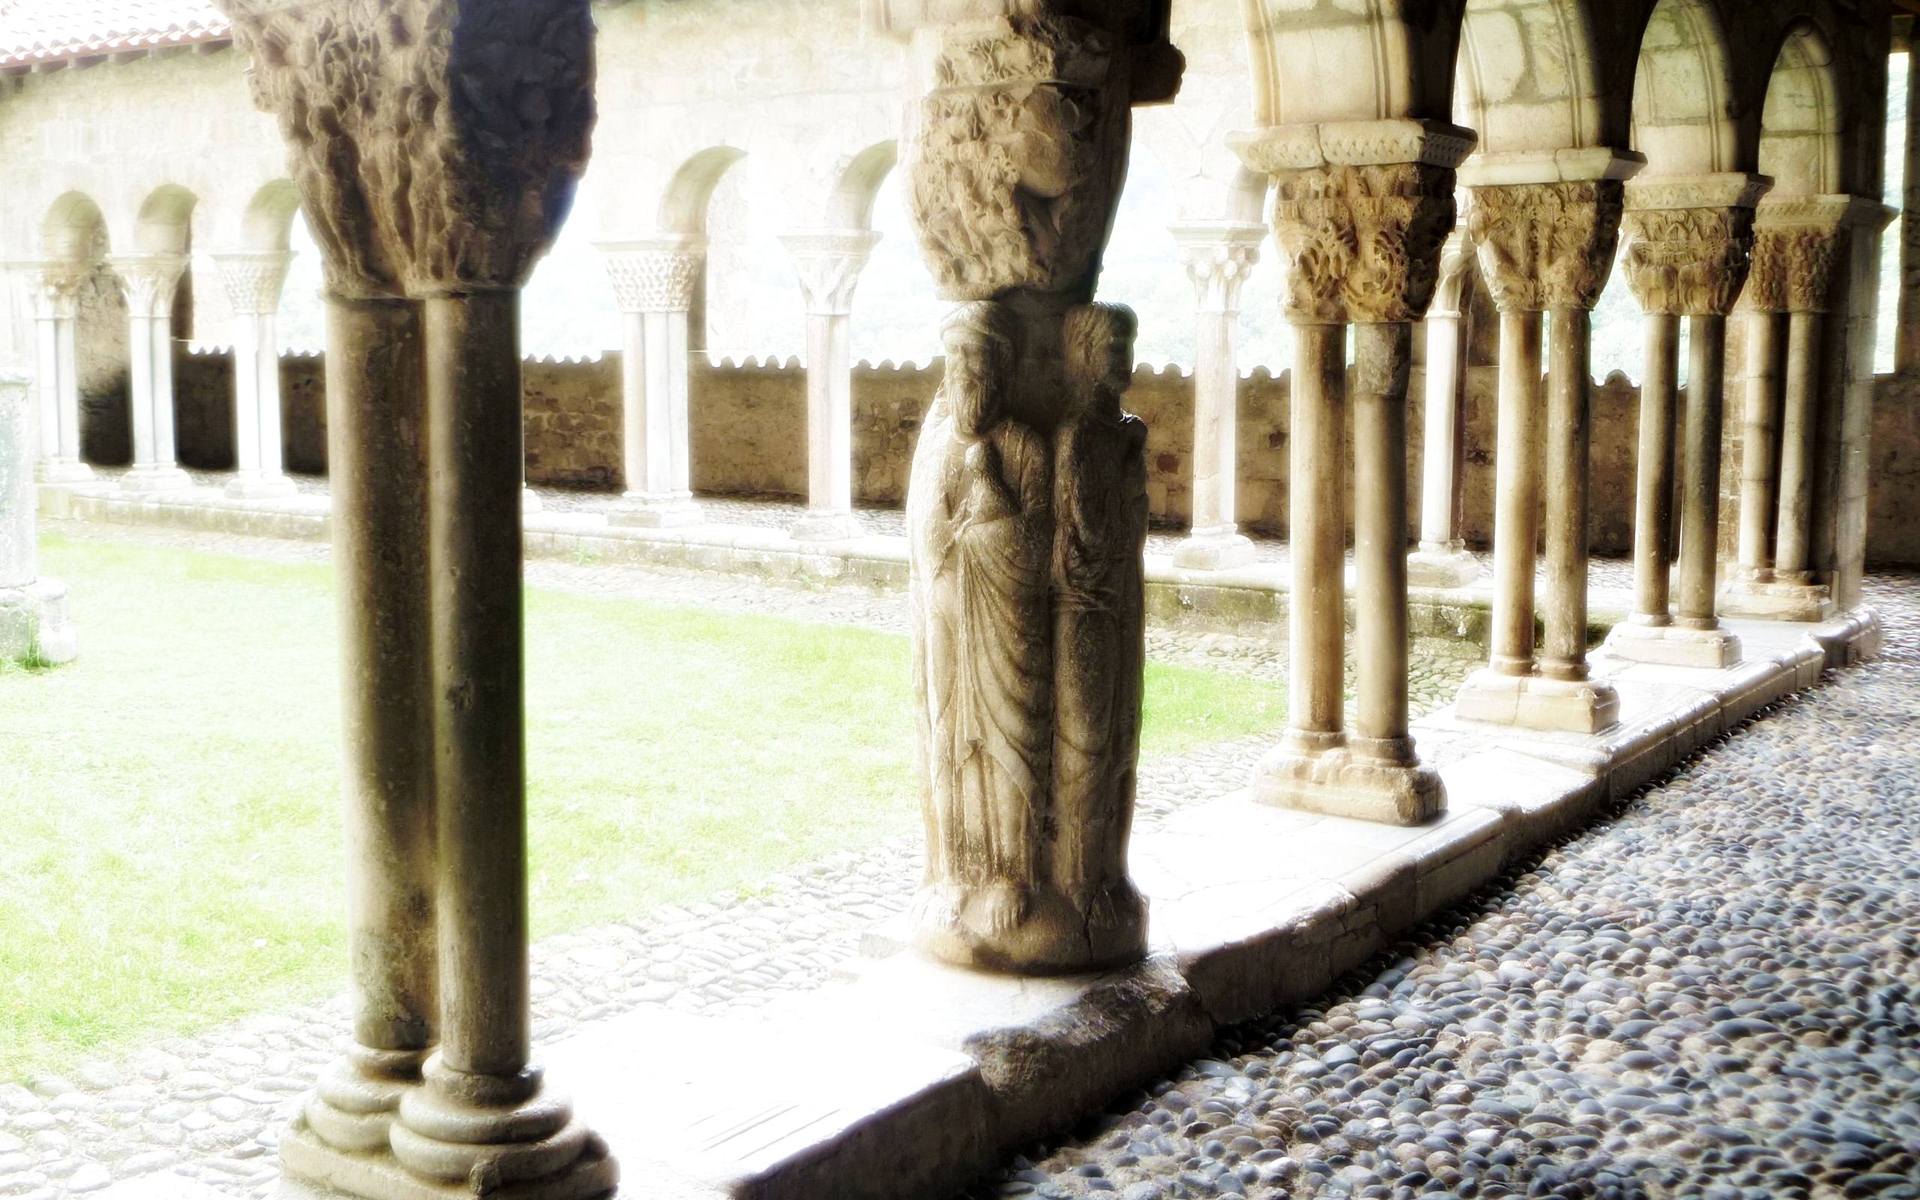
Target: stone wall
x: 749, y: 438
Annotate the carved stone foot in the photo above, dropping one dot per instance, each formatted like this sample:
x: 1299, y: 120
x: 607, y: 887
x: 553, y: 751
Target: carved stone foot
x: 1777, y: 600
x: 1392, y: 789
x: 656, y: 512
x: 259, y: 487
x: 1442, y: 568
x: 1536, y: 702
x: 1213, y: 550
x: 1000, y: 927
x: 155, y: 479
x: 1674, y: 646
x: 827, y: 527
x: 34, y: 625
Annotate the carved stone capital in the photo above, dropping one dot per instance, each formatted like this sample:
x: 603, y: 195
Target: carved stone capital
x: 1546, y: 245
x: 1018, y: 145
x: 829, y: 263
x: 1689, y: 241
x: 1218, y: 257
x: 1796, y: 241
x: 436, y: 144
x: 56, y: 286
x: 253, y: 282
x: 1362, y: 243
x: 149, y: 281
x: 655, y: 274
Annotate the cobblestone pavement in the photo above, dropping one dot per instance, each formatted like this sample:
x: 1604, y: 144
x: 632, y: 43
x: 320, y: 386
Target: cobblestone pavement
x: 1715, y: 994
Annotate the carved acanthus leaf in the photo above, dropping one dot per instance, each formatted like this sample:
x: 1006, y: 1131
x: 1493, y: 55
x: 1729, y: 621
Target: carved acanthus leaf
x: 56, y: 287
x: 829, y: 263
x: 1546, y: 245
x: 149, y: 281
x: 1793, y: 267
x: 1688, y: 261
x: 1218, y: 259
x: 1362, y: 243
x: 436, y: 144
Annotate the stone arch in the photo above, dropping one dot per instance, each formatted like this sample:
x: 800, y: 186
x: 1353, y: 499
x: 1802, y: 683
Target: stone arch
x: 850, y: 206
x: 267, y: 224
x: 1376, y: 60
x: 683, y: 209
x: 1528, y: 77
x: 1802, y: 120
x: 74, y: 229
x: 1684, y: 101
x: 165, y: 221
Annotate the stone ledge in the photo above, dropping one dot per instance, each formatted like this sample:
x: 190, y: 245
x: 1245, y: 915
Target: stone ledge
x: 907, y: 1078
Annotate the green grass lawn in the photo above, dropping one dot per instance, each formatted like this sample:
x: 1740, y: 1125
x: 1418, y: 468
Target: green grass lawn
x: 171, y: 853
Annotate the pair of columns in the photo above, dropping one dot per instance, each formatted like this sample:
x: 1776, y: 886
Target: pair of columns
x: 149, y: 283
x: 1546, y: 244
x: 655, y: 281
x: 1796, y: 244
x: 1689, y: 251
x: 1361, y: 240
x: 429, y: 222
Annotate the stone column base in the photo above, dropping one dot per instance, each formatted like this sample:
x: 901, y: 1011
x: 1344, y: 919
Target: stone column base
x: 826, y: 527
x: 63, y: 472
x: 656, y: 512
x: 155, y: 479
x: 261, y: 487
x: 1536, y: 702
x: 1033, y: 930
x: 1776, y: 600
x: 1441, y: 568
x: 1340, y: 783
x: 1674, y: 646
x: 1214, y: 550
x: 593, y: 1174
x: 33, y: 624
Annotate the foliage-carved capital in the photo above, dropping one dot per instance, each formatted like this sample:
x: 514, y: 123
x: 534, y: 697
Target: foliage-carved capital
x: 1546, y: 245
x: 1362, y: 243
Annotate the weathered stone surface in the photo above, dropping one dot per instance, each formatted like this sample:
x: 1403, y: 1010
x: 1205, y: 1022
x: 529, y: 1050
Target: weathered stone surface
x: 33, y: 611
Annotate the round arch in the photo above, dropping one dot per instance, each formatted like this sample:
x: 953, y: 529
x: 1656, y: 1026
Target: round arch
x: 683, y: 209
x: 1683, y: 92
x: 74, y: 229
x: 1528, y: 78
x: 267, y: 224
x: 165, y: 222
x: 1802, y: 119
x: 850, y: 206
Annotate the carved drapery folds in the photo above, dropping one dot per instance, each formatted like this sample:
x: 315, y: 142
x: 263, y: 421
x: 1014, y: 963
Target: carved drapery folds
x: 655, y: 274
x: 436, y: 144
x: 1546, y: 246
x: 1689, y: 242
x: 1795, y: 245
x: 1027, y: 502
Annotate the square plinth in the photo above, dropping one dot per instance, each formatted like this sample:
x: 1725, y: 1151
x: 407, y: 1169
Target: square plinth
x: 1536, y: 702
x: 1340, y: 783
x: 33, y: 624
x: 1442, y: 568
x: 1209, y: 550
x: 1773, y: 600
x: 650, y: 512
x: 1674, y: 646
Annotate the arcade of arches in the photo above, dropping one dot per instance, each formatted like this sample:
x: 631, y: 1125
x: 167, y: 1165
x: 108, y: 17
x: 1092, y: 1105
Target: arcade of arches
x: 1403, y: 164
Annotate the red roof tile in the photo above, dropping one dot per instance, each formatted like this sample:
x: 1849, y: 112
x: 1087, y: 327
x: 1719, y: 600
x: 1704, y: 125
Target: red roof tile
x: 50, y: 31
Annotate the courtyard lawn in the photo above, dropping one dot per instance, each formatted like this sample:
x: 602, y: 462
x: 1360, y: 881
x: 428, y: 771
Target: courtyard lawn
x: 170, y: 855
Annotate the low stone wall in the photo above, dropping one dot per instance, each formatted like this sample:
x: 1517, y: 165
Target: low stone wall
x: 749, y: 437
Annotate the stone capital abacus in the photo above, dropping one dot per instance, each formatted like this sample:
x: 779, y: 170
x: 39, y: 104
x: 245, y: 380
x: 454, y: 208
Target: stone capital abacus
x: 1218, y: 257
x: 149, y: 281
x: 829, y: 262
x: 1689, y: 241
x: 1361, y: 211
x: 254, y: 281
x: 1545, y: 246
x: 464, y: 147
x: 1796, y: 241
x: 655, y: 274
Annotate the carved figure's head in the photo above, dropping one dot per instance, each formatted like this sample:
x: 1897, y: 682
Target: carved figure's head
x: 979, y: 340
x: 1099, y: 342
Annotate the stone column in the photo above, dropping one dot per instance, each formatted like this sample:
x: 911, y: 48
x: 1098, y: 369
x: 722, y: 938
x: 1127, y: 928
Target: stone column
x: 1797, y: 241
x: 1442, y: 559
x: 33, y: 611
x: 1546, y: 250
x: 654, y: 281
x: 1360, y: 244
x: 1026, y: 507
x: 57, y: 287
x: 428, y: 231
x: 254, y: 283
x: 1907, y: 351
x: 829, y: 263
x: 1218, y: 257
x: 149, y: 281
x: 1689, y: 246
